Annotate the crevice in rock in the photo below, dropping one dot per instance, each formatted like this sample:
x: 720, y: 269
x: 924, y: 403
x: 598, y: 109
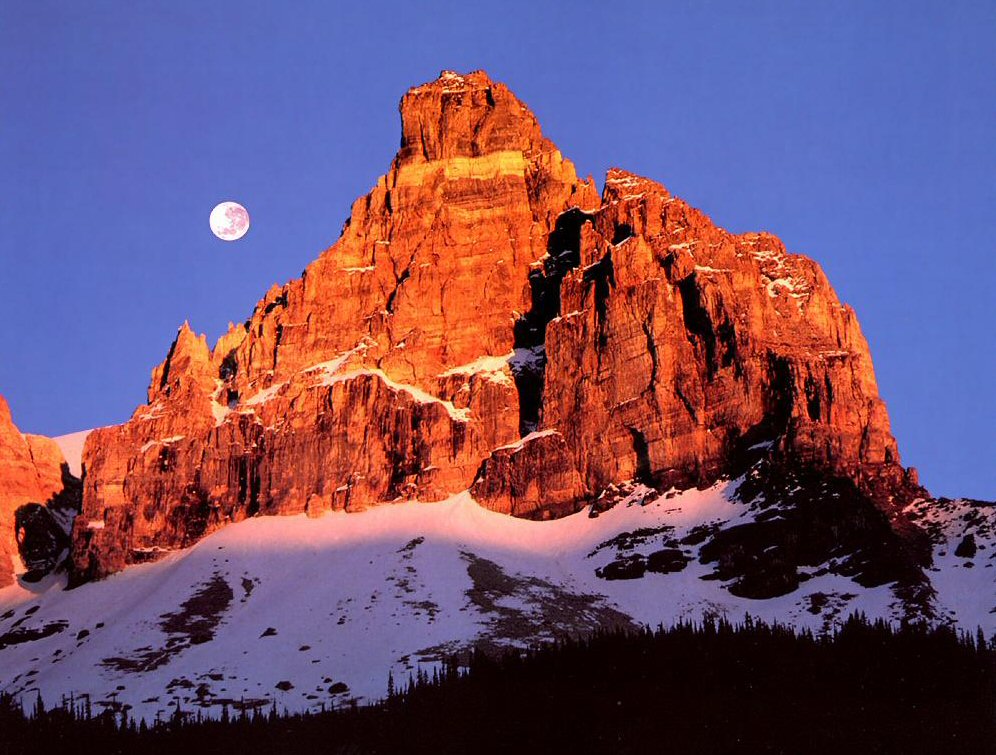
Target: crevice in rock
x: 622, y: 232
x: 648, y: 331
x: 727, y: 338
x: 689, y: 406
x: 812, y: 399
x: 41, y: 540
x: 278, y: 337
x: 248, y: 481
x: 829, y: 394
x: 167, y: 364
x: 780, y: 393
x: 602, y: 278
x: 397, y: 287
x: 642, y: 452
x: 529, y: 363
x: 229, y: 366
x: 698, y: 324
x: 280, y: 301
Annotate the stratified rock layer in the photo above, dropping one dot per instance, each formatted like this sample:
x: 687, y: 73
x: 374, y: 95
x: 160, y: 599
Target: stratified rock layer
x: 480, y: 293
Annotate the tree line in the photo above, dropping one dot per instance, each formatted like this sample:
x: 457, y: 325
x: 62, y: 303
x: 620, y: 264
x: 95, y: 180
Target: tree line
x: 711, y: 686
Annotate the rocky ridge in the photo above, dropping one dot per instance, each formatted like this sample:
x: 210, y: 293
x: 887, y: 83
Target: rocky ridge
x: 488, y: 321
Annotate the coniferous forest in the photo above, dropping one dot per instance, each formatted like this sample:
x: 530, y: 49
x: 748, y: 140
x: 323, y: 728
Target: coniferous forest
x: 712, y: 687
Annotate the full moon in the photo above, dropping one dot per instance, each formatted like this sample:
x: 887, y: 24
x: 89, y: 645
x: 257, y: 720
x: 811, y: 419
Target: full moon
x: 229, y: 221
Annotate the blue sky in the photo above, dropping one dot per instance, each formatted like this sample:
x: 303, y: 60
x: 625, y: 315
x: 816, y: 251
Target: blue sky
x: 863, y: 134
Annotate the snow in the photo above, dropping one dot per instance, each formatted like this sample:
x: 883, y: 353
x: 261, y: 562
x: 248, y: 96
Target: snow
x: 489, y: 367
x: 162, y: 442
x: 422, y: 397
x: 264, y: 395
x: 762, y: 444
x: 332, y: 366
x: 966, y: 587
x: 780, y: 275
x: 218, y: 409
x: 482, y: 364
x: 330, y: 373
x: 389, y: 588
x: 762, y: 255
x: 528, y: 360
x: 518, y: 445
x: 219, y: 412
x: 623, y: 180
x: 71, y: 446
x: 627, y: 181
x: 787, y: 283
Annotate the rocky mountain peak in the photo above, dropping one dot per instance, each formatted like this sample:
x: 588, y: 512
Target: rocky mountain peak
x: 188, y: 366
x: 486, y: 321
x: 465, y: 116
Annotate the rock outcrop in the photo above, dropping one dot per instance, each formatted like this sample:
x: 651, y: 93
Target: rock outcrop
x: 682, y: 345
x: 38, y: 498
x: 488, y: 321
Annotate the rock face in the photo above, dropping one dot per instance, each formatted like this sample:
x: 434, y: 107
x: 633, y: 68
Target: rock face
x: 37, y: 494
x: 681, y: 345
x: 487, y: 321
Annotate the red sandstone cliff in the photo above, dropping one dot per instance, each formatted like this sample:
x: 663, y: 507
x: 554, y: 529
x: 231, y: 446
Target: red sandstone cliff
x: 486, y: 321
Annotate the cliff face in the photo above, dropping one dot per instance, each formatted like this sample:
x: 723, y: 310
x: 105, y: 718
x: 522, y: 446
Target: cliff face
x: 32, y: 473
x: 486, y: 321
x: 682, y: 345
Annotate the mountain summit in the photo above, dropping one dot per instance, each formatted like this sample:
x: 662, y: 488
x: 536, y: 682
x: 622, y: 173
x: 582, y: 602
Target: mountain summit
x: 487, y: 321
x: 491, y: 342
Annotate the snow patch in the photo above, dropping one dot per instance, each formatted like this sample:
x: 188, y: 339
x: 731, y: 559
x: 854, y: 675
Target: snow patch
x: 264, y: 395
x: 535, y: 435
x: 528, y: 360
x: 489, y: 367
x: 422, y: 397
x: 162, y: 442
x: 71, y: 446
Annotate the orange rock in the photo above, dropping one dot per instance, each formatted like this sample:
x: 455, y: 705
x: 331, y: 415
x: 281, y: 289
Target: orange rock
x: 479, y: 293
x: 534, y: 478
x: 31, y: 471
x: 681, y: 345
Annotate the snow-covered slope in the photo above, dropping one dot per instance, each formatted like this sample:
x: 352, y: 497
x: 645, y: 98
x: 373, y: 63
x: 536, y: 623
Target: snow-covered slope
x: 314, y: 612
x: 963, y: 534
x: 71, y: 446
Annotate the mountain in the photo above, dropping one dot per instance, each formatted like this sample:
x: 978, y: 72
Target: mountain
x: 487, y: 322
x: 502, y: 408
